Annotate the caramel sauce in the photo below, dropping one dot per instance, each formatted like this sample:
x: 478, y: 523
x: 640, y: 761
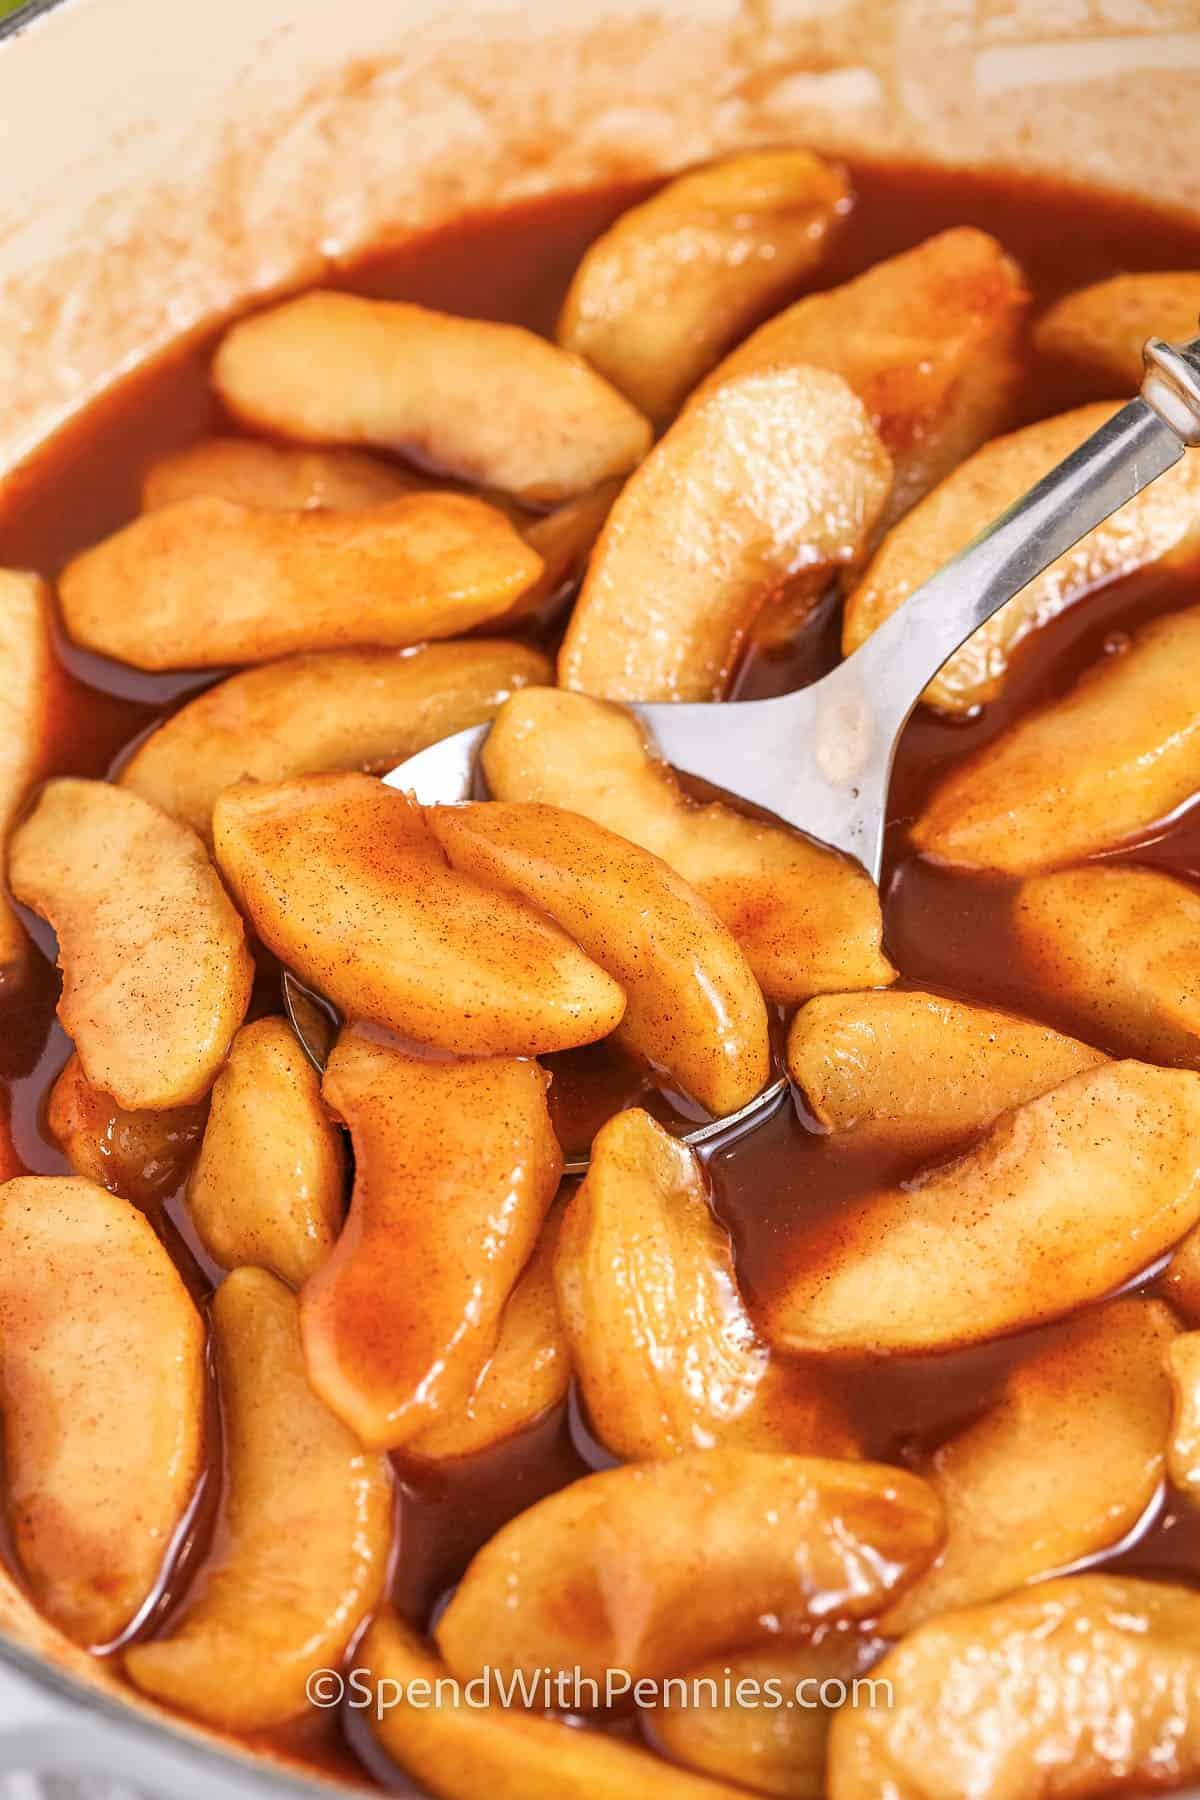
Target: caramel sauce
x: 944, y: 931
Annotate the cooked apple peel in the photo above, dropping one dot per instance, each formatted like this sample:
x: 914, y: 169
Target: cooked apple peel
x: 29, y: 678
x: 1066, y: 1197
x: 334, y: 368
x: 653, y: 1567
x: 664, y: 1351
x: 808, y: 920
x: 102, y: 1371
x: 156, y: 973
x: 275, y: 477
x: 1098, y: 331
x: 141, y: 1155
x: 693, y: 1006
x: 347, y: 886
x: 456, y: 1165
x: 304, y: 1534
x: 673, y: 282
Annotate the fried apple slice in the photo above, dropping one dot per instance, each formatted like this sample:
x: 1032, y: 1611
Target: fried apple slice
x: 460, y: 1751
x: 1181, y: 1280
x: 303, y: 1537
x: 328, y: 711
x: 1119, y: 948
x: 653, y: 1567
x: 767, y: 477
x: 156, y: 973
x: 1183, y: 1445
x: 1161, y: 527
x: 758, y: 1718
x: 564, y: 540
x: 267, y: 1186
x: 931, y: 341
x: 693, y: 1005
x: 807, y: 919
x: 274, y: 477
x: 102, y: 1374
x: 347, y: 886
x: 25, y: 706
x: 456, y: 1165
x: 1098, y: 331
x: 1061, y: 1467
x: 667, y: 288
x: 1085, y: 1686
x: 920, y: 1071
x: 333, y: 368
x: 1118, y: 752
x: 527, y: 1373
x: 1067, y: 1197
x: 665, y: 1353
x: 207, y: 582
x: 140, y: 1155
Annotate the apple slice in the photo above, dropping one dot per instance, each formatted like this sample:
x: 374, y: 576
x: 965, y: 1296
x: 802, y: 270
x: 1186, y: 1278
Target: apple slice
x: 1080, y: 1687
x: 665, y: 1353
x: 1118, y: 752
x: 771, y: 476
x: 1119, y: 948
x: 1181, y: 1281
x: 267, y: 1188
x: 345, y: 883
x: 321, y: 712
x: 668, y: 287
x: 1098, y: 331
x: 456, y: 1165
x: 1066, y: 1197
x: 461, y: 1750
x: 1183, y: 1446
x: 653, y: 1567
x: 333, y: 368
x: 1061, y: 1467
x: 808, y: 919
x: 564, y: 539
x: 25, y: 708
x: 931, y: 341
x: 1161, y: 527
x: 156, y: 973
x: 141, y: 1155
x: 207, y: 582
x: 303, y: 1538
x: 102, y: 1372
x: 693, y: 1005
x: 920, y: 1071
x: 275, y: 477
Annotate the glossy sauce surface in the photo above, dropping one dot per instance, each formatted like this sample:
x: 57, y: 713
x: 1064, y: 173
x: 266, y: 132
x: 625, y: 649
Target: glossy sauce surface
x: 943, y: 931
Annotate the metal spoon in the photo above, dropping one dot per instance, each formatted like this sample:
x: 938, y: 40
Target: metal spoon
x: 821, y: 759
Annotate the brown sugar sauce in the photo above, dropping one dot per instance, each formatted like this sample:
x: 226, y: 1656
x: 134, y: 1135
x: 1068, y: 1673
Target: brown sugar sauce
x: 944, y: 931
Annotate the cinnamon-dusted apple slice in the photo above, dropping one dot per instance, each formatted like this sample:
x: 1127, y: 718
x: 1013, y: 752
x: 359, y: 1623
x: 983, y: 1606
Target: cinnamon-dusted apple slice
x: 564, y: 539
x: 156, y: 973
x: 207, y: 582
x: 346, y: 884
x: 275, y: 477
x: 326, y: 711
x: 1119, y: 948
x: 665, y: 1353
x: 267, y: 1188
x: 1118, y: 752
x: 653, y: 1567
x: 668, y: 287
x: 763, y: 478
x: 462, y: 1751
x: 1183, y: 1448
x: 1066, y: 1197
x: 808, y: 920
x: 931, y: 341
x: 1161, y: 527
x: 456, y: 1165
x: 141, y: 1155
x: 920, y: 1071
x: 333, y: 368
x: 693, y: 1005
x: 25, y: 706
x: 1084, y: 1686
x: 102, y: 1375
x: 303, y: 1536
x: 1098, y: 331
x: 527, y: 1373
x: 1181, y: 1279
x: 1061, y: 1467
